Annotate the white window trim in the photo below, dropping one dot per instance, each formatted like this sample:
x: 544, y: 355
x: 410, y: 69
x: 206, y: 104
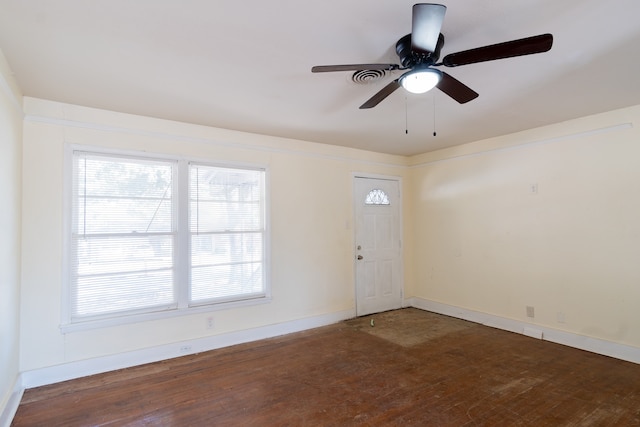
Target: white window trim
x: 182, y: 245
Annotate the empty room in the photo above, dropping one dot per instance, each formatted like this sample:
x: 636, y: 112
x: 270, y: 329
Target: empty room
x: 319, y: 213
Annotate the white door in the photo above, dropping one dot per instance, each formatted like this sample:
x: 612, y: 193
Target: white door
x: 378, y: 245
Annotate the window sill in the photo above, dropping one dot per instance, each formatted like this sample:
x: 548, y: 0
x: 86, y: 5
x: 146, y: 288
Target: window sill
x: 157, y: 315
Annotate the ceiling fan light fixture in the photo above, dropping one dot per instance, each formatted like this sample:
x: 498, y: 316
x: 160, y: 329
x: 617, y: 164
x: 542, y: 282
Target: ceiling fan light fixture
x: 420, y: 80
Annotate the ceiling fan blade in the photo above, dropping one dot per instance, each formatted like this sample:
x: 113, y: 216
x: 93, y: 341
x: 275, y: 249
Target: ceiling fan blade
x: 456, y: 89
x: 425, y: 26
x: 382, y: 94
x: 526, y: 46
x: 353, y: 67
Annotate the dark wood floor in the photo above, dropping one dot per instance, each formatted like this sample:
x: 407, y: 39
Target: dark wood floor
x: 411, y: 368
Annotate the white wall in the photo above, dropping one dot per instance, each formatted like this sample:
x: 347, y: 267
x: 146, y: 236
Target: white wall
x: 484, y: 241
x: 10, y: 178
x: 311, y: 232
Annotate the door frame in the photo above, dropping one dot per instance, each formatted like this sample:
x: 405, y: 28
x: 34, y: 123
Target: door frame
x: 398, y: 179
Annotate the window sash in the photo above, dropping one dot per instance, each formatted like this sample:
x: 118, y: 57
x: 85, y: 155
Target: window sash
x: 123, y: 229
x: 227, y: 234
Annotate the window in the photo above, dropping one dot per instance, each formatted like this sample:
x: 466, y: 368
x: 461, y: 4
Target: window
x: 155, y: 235
x: 376, y: 197
x: 227, y: 233
x: 123, y: 234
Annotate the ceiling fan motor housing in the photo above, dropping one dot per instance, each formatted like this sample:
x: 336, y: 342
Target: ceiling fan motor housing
x: 410, y: 58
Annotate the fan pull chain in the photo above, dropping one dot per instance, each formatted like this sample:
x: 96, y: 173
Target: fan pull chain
x: 434, y: 114
x: 406, y: 119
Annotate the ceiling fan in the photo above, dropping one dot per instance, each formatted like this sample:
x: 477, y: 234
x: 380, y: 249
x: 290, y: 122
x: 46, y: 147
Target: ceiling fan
x: 419, y: 53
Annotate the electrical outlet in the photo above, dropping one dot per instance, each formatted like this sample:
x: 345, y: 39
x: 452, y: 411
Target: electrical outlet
x: 530, y: 312
x: 560, y: 317
x: 209, y: 323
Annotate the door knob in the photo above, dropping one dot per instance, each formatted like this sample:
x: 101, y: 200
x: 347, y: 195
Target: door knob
x: 359, y: 257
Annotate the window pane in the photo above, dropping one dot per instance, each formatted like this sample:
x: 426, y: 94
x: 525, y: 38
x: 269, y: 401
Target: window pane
x: 123, y: 235
x: 99, y: 295
x: 376, y: 197
x: 227, y: 233
x: 227, y: 280
x: 224, y: 199
x: 122, y: 195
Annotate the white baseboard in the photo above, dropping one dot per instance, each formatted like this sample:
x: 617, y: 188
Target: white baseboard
x: 594, y: 345
x: 9, y: 410
x: 71, y: 370
x: 82, y: 368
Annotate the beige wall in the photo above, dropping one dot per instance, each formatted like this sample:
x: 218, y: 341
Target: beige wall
x: 485, y: 241
x: 10, y: 166
x: 310, y: 216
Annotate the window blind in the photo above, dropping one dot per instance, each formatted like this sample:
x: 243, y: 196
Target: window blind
x: 123, y: 235
x: 227, y: 228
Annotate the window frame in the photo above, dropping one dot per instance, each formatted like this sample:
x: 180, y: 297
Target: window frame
x: 182, y: 248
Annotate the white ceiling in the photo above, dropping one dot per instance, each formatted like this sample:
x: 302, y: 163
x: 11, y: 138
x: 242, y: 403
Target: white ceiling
x: 245, y: 65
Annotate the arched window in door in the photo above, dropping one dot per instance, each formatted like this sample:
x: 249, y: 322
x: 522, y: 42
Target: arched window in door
x: 376, y: 197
